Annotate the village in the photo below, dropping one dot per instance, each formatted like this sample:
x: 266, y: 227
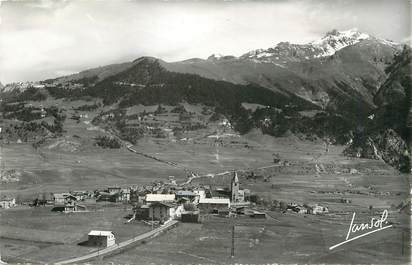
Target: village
x: 162, y: 202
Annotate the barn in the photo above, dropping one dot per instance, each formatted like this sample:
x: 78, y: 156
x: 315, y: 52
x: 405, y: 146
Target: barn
x: 213, y: 205
x: 101, y: 238
x: 161, y: 211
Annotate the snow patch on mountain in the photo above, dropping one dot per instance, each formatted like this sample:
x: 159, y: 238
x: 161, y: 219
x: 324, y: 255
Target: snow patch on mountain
x: 217, y: 57
x: 337, y: 40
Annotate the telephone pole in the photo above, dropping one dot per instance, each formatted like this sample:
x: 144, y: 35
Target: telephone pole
x: 232, y: 254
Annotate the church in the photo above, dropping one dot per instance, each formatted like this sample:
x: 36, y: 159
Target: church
x: 237, y: 195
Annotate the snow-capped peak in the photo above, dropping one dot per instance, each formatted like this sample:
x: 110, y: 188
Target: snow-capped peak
x: 217, y: 56
x: 285, y: 52
x: 336, y: 40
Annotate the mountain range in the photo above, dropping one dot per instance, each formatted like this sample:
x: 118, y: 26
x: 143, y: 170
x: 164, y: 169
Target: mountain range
x: 347, y: 77
x: 341, y: 71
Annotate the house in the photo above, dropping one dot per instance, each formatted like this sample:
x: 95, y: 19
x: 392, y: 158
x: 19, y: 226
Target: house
x: 190, y: 217
x: 219, y: 192
x: 317, y: 209
x: 69, y: 208
x: 142, y: 212
x: 161, y: 211
x: 125, y: 195
x: 63, y: 198
x: 108, y: 197
x: 297, y: 208
x: 160, y: 198
x: 200, y: 193
x: 7, y: 203
x: 257, y: 214
x: 134, y: 196
x: 213, y: 205
x: 114, y: 190
x: 80, y: 195
x: 101, y: 238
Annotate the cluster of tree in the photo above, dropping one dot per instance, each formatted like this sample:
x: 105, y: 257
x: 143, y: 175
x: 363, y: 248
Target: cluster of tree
x: 277, y: 122
x: 87, y: 107
x: 169, y: 88
x: 59, y: 118
x: 193, y: 126
x: 25, y: 131
x: 131, y: 134
x: 179, y: 109
x: 31, y: 93
x: 160, y: 110
x: 23, y: 113
x: 11, y: 107
x: 107, y: 142
x: 60, y: 91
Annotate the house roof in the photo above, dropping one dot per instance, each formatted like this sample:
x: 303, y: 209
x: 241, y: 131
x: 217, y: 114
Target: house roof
x: 185, y: 193
x: 214, y: 201
x: 63, y: 195
x: 100, y: 233
x: 6, y: 199
x: 60, y: 195
x: 79, y: 192
x: 160, y: 197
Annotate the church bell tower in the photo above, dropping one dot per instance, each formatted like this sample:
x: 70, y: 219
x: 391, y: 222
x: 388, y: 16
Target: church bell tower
x: 235, y: 187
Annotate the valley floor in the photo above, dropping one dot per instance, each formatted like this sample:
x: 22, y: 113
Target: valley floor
x: 308, y: 174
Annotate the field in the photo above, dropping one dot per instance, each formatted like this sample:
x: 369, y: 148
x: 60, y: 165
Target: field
x: 307, y: 174
x: 285, y: 239
x: 40, y: 235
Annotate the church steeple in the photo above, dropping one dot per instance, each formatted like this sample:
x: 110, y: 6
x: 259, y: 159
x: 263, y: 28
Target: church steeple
x: 235, y: 187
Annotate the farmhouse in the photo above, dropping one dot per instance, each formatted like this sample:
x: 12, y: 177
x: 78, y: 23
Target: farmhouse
x: 161, y: 211
x: 213, y: 205
x: 7, y: 203
x: 64, y: 198
x: 101, y: 238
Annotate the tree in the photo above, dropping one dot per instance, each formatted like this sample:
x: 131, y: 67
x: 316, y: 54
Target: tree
x: 405, y: 162
x: 283, y: 206
x: 189, y: 207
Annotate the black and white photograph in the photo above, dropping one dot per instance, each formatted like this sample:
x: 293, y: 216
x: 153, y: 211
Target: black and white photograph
x: 177, y: 132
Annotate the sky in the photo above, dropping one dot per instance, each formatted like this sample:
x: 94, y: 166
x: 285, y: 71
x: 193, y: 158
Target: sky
x: 46, y: 39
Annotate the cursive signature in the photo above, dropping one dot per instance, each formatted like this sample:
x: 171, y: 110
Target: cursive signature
x: 375, y: 225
